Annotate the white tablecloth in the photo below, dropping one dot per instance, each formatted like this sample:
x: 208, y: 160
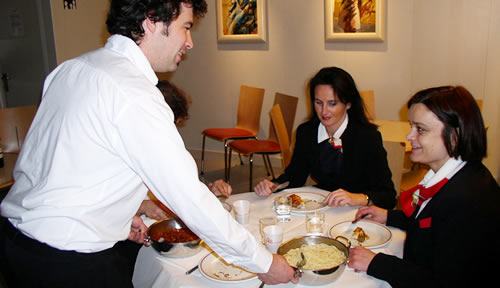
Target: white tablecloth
x: 154, y: 270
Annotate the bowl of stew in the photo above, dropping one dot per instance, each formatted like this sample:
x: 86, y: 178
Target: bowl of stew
x: 172, y: 238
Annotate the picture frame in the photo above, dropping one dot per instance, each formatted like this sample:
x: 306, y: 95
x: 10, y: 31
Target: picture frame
x: 364, y: 20
x: 241, y: 20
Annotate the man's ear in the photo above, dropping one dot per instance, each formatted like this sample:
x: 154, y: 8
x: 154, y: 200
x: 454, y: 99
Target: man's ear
x: 149, y: 26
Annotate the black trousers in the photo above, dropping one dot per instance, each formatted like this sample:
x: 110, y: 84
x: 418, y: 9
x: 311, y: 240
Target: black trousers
x: 29, y: 263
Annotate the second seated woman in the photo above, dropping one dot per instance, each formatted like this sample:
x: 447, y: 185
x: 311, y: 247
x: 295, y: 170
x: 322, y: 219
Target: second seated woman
x: 338, y: 147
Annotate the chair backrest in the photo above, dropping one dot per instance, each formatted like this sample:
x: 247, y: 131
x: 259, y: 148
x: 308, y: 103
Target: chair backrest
x: 480, y: 104
x: 282, y: 135
x: 395, y: 158
x: 249, y: 108
x: 14, y: 125
x: 288, y: 106
x: 368, y: 97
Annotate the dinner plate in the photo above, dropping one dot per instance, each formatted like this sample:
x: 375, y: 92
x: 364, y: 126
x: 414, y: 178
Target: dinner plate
x: 378, y: 234
x: 215, y: 268
x: 313, y: 202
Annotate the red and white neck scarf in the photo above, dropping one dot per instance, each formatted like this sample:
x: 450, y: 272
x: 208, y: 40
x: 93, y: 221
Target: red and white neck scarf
x: 335, y: 138
x: 429, y: 186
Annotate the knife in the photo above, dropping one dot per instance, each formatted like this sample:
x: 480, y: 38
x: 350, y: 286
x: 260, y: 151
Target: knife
x: 191, y: 270
x: 280, y: 186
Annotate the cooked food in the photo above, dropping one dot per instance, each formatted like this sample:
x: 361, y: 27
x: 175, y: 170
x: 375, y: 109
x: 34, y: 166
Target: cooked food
x: 318, y: 257
x: 297, y: 201
x: 174, y: 236
x: 359, y: 234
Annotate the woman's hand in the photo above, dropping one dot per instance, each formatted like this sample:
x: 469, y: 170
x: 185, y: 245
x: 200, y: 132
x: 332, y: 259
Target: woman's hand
x: 341, y: 197
x: 264, y: 188
x: 151, y: 210
x: 220, y: 188
x: 360, y: 258
x: 377, y: 214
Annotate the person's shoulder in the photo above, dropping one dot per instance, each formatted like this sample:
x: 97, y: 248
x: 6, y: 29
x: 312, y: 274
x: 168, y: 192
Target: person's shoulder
x: 366, y: 131
x: 309, y: 126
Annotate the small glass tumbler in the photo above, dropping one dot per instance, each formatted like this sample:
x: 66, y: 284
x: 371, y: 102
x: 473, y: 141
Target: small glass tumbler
x: 263, y: 222
x: 315, y: 223
x: 283, y: 207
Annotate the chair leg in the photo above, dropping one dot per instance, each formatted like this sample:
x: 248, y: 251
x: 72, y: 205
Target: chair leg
x: 203, y: 155
x: 229, y: 166
x: 250, y: 160
x: 265, y: 164
x: 241, y: 161
x: 270, y: 165
x: 225, y: 160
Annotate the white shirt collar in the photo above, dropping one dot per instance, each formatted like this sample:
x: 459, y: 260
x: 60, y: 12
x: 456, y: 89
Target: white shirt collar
x: 323, y: 134
x: 131, y: 50
x: 450, y: 168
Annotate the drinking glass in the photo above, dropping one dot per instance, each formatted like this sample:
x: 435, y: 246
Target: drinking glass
x: 263, y: 222
x: 315, y: 223
x: 283, y: 206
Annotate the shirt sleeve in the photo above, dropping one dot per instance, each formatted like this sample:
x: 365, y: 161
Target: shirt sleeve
x: 154, y: 149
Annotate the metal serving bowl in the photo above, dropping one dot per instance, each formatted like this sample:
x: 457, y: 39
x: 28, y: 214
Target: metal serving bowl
x: 318, y: 277
x: 173, y: 250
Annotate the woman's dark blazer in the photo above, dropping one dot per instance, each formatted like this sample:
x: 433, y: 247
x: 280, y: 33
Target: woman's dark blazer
x: 364, y: 168
x: 452, y: 240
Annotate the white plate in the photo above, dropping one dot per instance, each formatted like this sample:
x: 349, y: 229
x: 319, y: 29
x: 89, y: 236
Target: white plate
x: 215, y: 268
x: 313, y: 202
x: 378, y: 234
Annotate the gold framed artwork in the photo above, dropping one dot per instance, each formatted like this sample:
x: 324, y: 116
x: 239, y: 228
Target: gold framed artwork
x: 355, y: 20
x: 241, y: 20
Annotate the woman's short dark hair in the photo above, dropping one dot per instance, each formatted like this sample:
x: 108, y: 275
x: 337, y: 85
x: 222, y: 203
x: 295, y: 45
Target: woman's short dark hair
x: 176, y: 99
x: 463, y: 123
x: 345, y: 88
x: 125, y: 17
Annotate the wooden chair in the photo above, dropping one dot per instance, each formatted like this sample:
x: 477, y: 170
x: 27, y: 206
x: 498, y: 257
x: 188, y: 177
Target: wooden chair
x: 480, y: 104
x: 282, y: 134
x: 14, y: 125
x: 368, y: 97
x: 250, y: 147
x: 247, y: 124
x: 395, y: 158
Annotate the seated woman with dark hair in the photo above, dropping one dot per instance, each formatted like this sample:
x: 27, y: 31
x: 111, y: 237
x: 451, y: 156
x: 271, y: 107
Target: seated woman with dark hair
x: 454, y: 205
x: 338, y: 147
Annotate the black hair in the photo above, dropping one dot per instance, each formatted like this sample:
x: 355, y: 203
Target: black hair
x: 464, y: 133
x: 344, y: 88
x: 125, y: 17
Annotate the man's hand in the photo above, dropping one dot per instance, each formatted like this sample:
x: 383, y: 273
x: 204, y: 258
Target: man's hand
x: 280, y: 272
x: 220, y: 188
x: 138, y: 231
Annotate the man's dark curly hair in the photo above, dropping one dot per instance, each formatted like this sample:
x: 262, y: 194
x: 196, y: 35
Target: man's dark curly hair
x: 125, y: 17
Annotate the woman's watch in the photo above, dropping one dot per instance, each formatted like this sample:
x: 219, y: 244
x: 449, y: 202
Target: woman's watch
x: 368, y: 201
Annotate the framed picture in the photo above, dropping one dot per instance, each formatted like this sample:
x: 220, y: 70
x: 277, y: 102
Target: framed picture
x: 241, y: 20
x: 355, y: 20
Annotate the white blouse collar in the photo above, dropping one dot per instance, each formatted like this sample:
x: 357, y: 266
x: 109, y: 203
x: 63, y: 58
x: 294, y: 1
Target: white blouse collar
x: 323, y: 134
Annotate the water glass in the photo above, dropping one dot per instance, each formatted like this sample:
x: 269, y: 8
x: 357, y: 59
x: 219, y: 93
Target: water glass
x: 273, y: 237
x: 283, y: 206
x: 241, y: 211
x: 263, y: 223
x: 315, y: 223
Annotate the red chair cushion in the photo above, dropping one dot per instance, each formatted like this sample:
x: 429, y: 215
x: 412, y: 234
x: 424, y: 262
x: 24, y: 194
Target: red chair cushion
x: 222, y: 134
x: 251, y: 146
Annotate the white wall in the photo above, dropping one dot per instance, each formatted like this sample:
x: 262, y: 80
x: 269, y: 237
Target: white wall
x: 428, y: 43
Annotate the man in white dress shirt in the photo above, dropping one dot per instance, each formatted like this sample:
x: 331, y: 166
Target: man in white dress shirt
x: 102, y: 133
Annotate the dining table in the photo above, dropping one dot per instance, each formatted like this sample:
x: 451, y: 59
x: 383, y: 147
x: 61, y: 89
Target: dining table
x: 154, y: 270
x: 6, y: 177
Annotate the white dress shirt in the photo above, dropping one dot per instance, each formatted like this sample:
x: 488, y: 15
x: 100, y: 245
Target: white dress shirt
x: 102, y: 130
